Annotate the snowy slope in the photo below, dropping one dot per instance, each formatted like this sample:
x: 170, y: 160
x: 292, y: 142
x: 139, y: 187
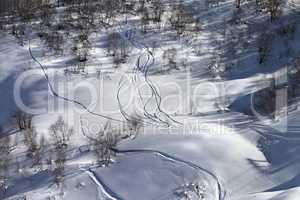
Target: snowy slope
x: 230, y: 154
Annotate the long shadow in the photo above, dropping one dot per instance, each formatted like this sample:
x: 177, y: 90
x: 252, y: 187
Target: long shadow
x: 292, y: 183
x: 283, y: 47
x: 7, y: 99
x: 236, y: 39
x: 23, y: 185
x: 282, y: 155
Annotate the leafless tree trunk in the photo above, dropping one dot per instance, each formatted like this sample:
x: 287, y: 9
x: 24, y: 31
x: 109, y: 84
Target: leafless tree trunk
x: 170, y: 57
x: 105, y: 140
x: 134, y: 124
x: 238, y: 3
x: 274, y: 8
x: 181, y: 18
x: 118, y: 48
x: 4, y: 163
x: 34, y: 149
x: 60, y: 135
x: 264, y: 47
x: 23, y: 120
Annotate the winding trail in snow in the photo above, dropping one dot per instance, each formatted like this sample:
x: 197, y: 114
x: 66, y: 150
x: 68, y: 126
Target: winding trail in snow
x: 104, y: 188
x: 145, y: 69
x: 54, y: 93
x: 221, y: 190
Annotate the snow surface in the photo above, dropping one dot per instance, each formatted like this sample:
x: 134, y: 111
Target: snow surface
x: 229, y: 153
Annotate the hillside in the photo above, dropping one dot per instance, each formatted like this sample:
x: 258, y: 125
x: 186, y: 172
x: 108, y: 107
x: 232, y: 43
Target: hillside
x: 149, y: 100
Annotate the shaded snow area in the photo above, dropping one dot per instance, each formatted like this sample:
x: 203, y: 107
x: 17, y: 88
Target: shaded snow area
x: 198, y: 100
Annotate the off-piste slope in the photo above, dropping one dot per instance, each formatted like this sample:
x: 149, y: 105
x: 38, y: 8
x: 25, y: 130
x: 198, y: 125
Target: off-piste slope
x: 291, y: 194
x: 228, y: 163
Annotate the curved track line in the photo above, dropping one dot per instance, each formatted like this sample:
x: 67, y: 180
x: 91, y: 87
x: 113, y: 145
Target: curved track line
x: 54, y: 93
x: 221, y: 191
x: 107, y: 191
x: 145, y: 69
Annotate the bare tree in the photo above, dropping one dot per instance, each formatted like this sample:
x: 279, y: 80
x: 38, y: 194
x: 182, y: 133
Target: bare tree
x: 54, y: 40
x: 142, y: 5
x: 60, y: 134
x: 118, y: 48
x: 274, y: 8
x: 34, y: 149
x: 181, y: 18
x: 60, y: 163
x: 45, y: 12
x: 145, y: 20
x: 18, y: 31
x: 4, y: 162
x: 105, y: 140
x: 26, y: 9
x: 134, y: 123
x: 238, y: 3
x: 264, y: 47
x: 170, y: 59
x: 110, y: 8
x: 82, y: 46
x: 23, y: 120
x: 157, y: 10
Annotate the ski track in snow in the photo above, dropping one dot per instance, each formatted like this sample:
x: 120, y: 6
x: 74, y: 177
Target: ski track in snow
x: 152, y: 117
x: 145, y: 69
x: 221, y: 190
x: 106, y: 191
